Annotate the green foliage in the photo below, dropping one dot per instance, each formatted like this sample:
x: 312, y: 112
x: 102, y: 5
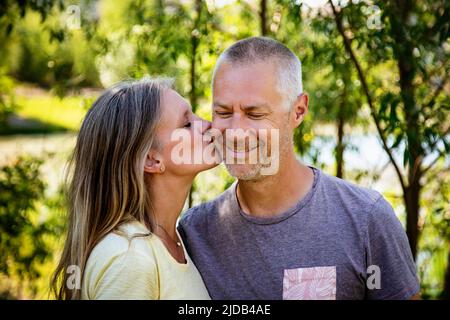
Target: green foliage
x: 11, y: 11
x: 412, y: 41
x: 402, y: 53
x: 45, y: 53
x: 7, y: 98
x: 435, y: 236
x: 65, y: 114
x: 24, y: 232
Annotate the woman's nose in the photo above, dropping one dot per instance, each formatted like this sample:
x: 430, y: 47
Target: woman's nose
x: 206, y: 125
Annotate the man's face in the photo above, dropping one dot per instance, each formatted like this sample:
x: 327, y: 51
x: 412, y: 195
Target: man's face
x: 246, y: 97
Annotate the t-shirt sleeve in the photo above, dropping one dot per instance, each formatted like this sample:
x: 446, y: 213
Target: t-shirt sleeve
x: 130, y: 275
x: 388, y: 256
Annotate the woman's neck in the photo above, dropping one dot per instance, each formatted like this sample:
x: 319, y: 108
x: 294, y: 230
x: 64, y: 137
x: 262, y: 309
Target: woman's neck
x: 168, y: 198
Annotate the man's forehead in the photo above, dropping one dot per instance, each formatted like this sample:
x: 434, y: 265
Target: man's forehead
x: 246, y: 67
x: 245, y: 85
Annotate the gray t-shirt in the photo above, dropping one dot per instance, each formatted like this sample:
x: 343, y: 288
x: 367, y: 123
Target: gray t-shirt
x: 333, y: 243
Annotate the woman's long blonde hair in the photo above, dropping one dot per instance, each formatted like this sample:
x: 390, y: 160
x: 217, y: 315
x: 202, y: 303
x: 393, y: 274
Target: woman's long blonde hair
x: 106, y: 183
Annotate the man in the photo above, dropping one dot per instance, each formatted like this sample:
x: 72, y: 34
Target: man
x: 296, y: 233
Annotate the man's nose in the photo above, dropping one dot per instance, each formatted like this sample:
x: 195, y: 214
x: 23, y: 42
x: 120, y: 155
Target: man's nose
x: 237, y: 121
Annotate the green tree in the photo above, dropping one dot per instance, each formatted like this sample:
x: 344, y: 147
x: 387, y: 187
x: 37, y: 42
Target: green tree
x: 7, y: 99
x: 410, y: 112
x: 336, y: 87
x: 24, y: 232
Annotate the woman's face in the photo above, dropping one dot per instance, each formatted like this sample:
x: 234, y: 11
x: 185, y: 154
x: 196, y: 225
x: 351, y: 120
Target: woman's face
x: 183, y: 143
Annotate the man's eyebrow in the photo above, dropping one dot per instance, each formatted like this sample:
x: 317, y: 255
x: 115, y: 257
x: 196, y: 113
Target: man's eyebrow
x: 221, y: 105
x: 246, y: 107
x: 256, y: 107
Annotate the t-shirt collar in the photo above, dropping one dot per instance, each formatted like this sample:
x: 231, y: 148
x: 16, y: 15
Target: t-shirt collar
x: 279, y: 217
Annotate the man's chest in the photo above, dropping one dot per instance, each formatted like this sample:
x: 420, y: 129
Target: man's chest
x: 282, y: 268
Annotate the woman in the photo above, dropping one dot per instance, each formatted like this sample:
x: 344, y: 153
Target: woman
x: 125, y: 196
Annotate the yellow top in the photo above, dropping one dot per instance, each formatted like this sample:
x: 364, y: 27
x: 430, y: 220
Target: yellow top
x: 131, y: 263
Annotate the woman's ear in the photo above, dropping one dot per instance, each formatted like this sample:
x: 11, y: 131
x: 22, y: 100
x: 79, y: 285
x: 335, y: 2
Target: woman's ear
x: 153, y: 163
x: 300, y: 109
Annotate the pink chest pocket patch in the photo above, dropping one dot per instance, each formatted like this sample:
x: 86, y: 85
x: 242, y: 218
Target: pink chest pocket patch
x: 316, y: 283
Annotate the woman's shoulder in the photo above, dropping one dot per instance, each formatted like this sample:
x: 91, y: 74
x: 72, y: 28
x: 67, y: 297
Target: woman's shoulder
x: 128, y: 237
x: 119, y: 260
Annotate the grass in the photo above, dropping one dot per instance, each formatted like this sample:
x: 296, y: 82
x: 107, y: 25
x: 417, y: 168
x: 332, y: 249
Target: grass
x: 66, y: 113
x: 31, y: 127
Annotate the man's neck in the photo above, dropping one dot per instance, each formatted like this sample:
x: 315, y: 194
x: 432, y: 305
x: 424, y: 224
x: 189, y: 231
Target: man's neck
x: 275, y: 194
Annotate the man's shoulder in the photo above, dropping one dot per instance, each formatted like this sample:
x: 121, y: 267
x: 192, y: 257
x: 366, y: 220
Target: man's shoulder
x: 210, y: 208
x: 350, y: 193
x: 362, y: 204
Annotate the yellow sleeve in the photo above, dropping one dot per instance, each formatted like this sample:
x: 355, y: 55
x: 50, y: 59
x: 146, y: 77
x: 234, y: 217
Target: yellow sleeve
x: 130, y: 275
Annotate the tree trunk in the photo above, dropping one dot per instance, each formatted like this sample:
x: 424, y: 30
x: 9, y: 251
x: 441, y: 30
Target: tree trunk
x: 340, y: 147
x: 403, y: 49
x: 263, y: 17
x: 195, y: 38
x: 412, y: 204
x: 445, y: 294
x: 193, y: 93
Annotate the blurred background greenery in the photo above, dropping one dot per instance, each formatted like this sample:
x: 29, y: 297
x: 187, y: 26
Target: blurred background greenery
x: 376, y: 72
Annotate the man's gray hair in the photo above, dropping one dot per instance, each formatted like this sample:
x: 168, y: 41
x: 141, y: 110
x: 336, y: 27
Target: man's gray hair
x: 257, y: 49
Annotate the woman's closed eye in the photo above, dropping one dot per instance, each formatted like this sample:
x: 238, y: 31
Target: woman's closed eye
x: 187, y: 125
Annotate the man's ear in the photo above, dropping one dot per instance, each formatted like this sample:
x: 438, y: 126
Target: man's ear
x: 300, y: 109
x: 153, y: 163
